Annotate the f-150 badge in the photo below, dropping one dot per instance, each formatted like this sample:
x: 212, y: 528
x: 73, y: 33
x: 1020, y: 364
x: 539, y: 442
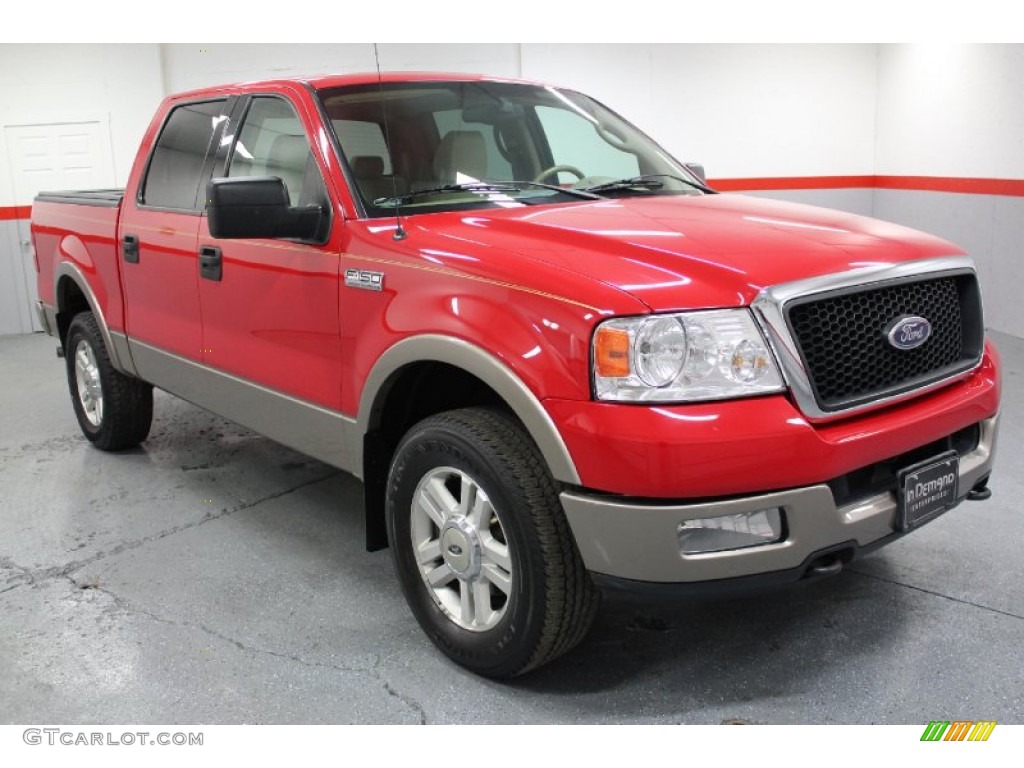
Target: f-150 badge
x: 365, y: 279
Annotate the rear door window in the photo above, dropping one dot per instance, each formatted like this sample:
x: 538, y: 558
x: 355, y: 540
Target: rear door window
x: 176, y: 165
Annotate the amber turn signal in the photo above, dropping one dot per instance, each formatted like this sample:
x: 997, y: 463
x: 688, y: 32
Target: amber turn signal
x: 611, y: 352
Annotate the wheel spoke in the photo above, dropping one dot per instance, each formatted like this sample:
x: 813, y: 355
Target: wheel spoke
x: 481, y: 602
x: 467, y: 493
x: 438, y: 577
x: 442, y: 497
x: 500, y: 578
x: 82, y: 360
x: 466, y: 603
x: 480, y: 513
x: 431, y: 501
x: 497, y: 553
x: 428, y: 551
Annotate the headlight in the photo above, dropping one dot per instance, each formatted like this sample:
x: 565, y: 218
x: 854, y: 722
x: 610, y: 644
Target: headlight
x: 710, y: 355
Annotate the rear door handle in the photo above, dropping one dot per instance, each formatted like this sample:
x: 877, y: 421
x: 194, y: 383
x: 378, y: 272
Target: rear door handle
x: 210, y: 263
x: 130, y: 248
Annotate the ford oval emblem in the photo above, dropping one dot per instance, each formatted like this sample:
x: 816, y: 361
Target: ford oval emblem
x: 909, y: 332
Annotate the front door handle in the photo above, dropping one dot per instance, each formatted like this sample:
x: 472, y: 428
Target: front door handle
x: 210, y: 263
x: 130, y: 248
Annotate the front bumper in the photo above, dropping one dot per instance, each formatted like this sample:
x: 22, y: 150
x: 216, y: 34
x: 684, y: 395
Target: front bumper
x: 637, y: 541
x: 749, y: 445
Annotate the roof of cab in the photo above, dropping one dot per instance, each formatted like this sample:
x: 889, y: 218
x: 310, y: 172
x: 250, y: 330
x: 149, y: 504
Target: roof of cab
x: 336, y: 81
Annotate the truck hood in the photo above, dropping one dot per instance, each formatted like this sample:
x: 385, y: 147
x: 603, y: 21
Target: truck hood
x: 689, y: 252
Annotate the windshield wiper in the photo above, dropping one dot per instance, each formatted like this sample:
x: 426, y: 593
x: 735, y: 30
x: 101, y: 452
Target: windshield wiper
x: 646, y: 181
x: 479, y: 186
x: 586, y: 194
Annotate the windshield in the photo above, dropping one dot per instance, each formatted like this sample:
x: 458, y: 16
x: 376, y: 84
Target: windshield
x: 469, y: 145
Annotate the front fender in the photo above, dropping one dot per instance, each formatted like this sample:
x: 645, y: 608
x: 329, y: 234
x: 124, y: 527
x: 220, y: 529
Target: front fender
x: 486, y: 367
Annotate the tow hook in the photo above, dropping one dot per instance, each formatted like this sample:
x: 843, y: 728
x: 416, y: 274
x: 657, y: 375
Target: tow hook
x: 980, y: 491
x: 829, y: 565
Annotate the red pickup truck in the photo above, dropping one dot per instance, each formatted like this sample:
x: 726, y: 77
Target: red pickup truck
x: 557, y: 359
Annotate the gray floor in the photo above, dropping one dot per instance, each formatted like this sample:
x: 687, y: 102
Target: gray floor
x: 214, y: 576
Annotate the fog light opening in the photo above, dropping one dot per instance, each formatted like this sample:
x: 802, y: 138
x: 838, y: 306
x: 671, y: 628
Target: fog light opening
x: 729, y: 532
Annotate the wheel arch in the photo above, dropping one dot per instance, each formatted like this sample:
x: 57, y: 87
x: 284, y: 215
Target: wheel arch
x: 72, y: 294
x: 426, y: 374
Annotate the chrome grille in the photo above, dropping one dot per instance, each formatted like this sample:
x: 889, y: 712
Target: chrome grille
x: 830, y: 333
x: 844, y: 345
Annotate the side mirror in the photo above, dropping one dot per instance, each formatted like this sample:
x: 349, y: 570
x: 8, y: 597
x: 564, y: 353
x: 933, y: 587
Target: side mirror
x: 258, y: 206
x: 697, y: 169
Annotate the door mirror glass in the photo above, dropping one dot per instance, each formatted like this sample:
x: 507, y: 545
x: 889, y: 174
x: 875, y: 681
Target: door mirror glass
x: 258, y: 206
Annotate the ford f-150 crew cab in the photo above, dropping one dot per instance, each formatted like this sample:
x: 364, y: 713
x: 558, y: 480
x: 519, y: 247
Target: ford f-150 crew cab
x: 556, y: 358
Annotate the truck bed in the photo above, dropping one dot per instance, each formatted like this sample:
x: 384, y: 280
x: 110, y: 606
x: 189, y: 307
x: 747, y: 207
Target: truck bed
x: 77, y: 232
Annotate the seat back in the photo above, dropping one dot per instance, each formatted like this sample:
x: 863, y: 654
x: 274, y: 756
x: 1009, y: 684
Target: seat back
x: 369, y: 174
x: 461, y: 156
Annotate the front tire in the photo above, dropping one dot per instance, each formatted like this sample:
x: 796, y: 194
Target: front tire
x: 114, y: 411
x: 482, y: 547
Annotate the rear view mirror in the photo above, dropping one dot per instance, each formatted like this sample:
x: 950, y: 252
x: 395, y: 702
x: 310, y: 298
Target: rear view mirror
x: 492, y: 112
x: 258, y: 206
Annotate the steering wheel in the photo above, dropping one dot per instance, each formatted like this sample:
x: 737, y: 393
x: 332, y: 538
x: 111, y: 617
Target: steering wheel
x: 539, y: 178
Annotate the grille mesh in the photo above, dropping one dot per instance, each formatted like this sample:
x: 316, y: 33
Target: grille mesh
x: 847, y: 354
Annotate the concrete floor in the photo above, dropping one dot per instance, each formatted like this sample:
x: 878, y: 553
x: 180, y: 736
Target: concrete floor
x: 215, y: 577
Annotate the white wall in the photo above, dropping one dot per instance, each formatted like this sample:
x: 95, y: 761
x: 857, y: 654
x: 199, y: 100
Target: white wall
x: 951, y: 110
x: 742, y: 110
x: 195, y: 66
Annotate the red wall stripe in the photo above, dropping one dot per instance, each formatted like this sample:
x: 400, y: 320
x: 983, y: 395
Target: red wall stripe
x: 15, y: 212
x: 792, y: 182
x: 964, y: 185
x: 970, y: 186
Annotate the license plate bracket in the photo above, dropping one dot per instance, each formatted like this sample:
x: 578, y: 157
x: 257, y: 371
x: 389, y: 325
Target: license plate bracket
x: 927, y: 489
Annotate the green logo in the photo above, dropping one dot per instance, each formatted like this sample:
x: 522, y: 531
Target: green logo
x: 958, y: 730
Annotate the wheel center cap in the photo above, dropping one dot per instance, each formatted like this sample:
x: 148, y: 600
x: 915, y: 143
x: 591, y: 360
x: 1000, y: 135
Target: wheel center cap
x: 460, y: 548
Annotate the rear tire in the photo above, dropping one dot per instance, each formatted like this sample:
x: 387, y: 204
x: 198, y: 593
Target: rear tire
x: 482, y: 547
x: 114, y: 411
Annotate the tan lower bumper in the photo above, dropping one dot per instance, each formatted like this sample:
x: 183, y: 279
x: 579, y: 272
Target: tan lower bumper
x: 630, y: 540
